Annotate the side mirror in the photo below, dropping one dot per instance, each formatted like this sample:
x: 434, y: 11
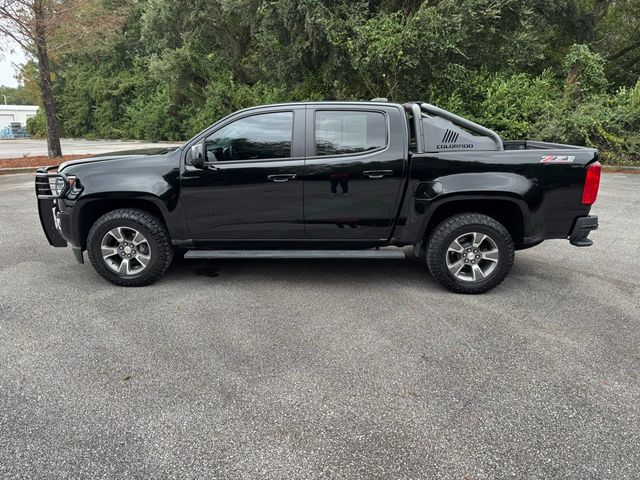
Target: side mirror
x: 197, y: 155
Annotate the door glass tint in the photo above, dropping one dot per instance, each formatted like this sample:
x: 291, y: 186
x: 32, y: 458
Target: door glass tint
x: 343, y: 132
x: 252, y: 138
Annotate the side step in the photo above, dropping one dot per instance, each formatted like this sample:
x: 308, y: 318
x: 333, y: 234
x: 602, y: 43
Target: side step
x: 386, y: 254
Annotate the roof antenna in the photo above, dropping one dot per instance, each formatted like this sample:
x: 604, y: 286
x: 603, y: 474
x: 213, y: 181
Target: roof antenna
x: 380, y: 99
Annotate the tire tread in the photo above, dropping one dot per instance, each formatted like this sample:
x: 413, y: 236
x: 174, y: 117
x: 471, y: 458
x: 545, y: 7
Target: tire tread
x: 438, y: 238
x: 158, y: 232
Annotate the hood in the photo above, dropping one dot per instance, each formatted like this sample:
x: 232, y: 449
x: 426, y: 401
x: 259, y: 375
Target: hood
x: 119, y: 155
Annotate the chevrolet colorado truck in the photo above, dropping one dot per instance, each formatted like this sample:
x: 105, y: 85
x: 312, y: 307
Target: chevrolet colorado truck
x: 325, y: 180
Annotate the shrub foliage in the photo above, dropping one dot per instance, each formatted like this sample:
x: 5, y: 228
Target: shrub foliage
x: 556, y: 70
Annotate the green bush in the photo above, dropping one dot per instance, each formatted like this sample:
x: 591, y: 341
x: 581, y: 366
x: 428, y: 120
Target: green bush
x: 546, y: 107
x: 518, y: 105
x: 585, y: 72
x: 610, y: 123
x: 150, y: 116
x: 36, y: 125
x: 177, y: 67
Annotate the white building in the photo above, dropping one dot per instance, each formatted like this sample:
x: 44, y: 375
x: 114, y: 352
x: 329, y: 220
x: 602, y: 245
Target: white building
x: 16, y: 113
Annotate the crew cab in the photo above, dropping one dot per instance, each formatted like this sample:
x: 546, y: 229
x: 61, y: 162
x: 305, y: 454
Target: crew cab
x: 325, y: 180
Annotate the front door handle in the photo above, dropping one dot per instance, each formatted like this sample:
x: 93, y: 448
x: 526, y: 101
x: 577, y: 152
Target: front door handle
x: 377, y: 173
x: 282, y: 177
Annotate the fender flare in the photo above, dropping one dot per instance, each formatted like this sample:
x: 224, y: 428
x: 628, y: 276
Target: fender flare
x: 450, y: 199
x: 173, y: 220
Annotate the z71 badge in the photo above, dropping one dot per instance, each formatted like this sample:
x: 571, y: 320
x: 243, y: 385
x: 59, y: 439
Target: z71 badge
x: 558, y: 159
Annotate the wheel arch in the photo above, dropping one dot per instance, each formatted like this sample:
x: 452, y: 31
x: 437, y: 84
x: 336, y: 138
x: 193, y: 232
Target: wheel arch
x: 506, y: 210
x: 90, y: 211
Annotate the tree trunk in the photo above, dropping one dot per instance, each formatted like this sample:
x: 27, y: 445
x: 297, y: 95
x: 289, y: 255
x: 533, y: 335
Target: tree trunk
x: 53, y: 136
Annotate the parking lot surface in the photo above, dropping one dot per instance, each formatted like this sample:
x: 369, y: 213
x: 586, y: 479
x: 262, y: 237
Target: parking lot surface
x: 26, y: 147
x: 334, y: 369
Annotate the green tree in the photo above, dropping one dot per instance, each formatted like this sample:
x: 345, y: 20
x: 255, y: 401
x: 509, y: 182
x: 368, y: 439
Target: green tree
x: 560, y: 70
x: 15, y: 95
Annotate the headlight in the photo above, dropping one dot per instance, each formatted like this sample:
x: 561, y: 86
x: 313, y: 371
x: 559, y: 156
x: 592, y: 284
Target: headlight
x: 58, y: 184
x: 58, y: 187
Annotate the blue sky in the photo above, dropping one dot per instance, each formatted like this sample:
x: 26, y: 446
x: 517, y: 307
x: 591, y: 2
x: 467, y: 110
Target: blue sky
x: 7, y: 59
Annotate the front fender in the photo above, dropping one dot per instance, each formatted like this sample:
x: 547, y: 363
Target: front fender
x: 141, y: 182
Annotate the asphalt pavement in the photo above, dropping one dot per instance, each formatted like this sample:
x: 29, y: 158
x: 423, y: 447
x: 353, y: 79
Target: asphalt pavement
x: 27, y: 147
x: 245, y: 369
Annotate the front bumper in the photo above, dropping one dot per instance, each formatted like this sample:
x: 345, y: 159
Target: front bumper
x: 55, y: 221
x: 50, y: 221
x: 581, y: 230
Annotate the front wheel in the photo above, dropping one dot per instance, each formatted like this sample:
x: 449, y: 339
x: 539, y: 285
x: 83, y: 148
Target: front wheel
x: 470, y: 253
x: 129, y: 247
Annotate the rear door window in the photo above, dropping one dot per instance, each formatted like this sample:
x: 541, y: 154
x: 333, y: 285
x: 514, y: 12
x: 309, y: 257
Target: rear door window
x: 349, y: 132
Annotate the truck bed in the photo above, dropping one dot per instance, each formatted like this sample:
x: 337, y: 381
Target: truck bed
x: 534, y: 145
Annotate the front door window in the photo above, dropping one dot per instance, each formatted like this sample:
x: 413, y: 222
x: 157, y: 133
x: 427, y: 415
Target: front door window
x: 258, y: 137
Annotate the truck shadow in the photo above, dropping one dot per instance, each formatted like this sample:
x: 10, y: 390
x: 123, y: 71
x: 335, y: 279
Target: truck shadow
x: 307, y: 271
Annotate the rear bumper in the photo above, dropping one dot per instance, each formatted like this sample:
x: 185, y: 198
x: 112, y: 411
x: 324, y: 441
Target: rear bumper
x: 581, y: 230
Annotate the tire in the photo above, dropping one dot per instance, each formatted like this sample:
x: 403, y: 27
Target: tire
x: 464, y: 267
x: 148, y: 259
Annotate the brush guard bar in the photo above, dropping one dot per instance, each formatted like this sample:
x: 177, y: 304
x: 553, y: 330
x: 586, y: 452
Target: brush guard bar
x: 47, y: 208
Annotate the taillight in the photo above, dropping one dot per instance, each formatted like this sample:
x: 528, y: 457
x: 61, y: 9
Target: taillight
x: 591, y: 184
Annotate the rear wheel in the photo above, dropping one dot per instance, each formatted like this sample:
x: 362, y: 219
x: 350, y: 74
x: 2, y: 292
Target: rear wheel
x: 470, y: 253
x: 129, y: 247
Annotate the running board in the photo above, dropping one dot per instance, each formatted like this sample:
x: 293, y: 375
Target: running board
x: 205, y: 254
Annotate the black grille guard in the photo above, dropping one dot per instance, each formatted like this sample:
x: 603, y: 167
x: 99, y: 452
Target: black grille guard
x: 43, y: 183
x: 47, y: 204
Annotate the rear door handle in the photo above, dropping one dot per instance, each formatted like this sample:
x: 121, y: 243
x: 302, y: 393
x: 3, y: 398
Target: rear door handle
x: 377, y: 173
x: 282, y: 177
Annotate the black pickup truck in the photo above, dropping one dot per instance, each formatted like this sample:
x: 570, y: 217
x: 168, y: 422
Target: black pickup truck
x: 325, y: 180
